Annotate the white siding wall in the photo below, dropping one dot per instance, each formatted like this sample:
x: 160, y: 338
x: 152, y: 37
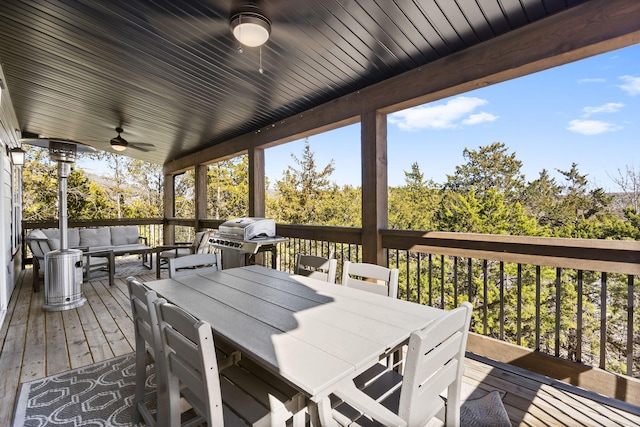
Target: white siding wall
x: 10, y: 195
x: 6, y: 279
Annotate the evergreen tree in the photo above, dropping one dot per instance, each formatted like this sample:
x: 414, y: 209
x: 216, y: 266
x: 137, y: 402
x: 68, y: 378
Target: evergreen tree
x: 305, y: 194
x: 147, y: 180
x: 412, y: 206
x: 228, y: 188
x: 489, y: 167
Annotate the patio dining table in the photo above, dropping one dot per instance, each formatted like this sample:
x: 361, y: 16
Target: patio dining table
x: 310, y: 333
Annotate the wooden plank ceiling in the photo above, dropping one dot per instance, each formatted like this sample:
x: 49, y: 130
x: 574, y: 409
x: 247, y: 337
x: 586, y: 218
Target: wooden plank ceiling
x: 169, y: 71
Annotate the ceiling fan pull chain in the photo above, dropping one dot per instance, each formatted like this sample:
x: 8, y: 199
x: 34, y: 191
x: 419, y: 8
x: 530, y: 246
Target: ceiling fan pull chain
x: 261, y: 70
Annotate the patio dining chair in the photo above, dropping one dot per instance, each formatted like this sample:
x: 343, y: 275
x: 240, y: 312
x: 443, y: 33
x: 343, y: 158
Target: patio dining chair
x: 435, y: 364
x: 192, y: 264
x: 200, y: 245
x: 378, y: 280
x: 371, y: 278
x: 148, y: 348
x: 236, y: 397
x: 317, y: 267
x: 147, y: 338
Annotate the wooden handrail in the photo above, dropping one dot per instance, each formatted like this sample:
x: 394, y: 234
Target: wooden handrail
x: 612, y: 256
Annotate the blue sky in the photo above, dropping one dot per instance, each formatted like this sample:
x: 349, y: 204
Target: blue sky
x: 587, y: 112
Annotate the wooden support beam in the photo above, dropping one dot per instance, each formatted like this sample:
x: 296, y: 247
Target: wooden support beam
x: 169, y: 208
x: 257, y: 183
x: 374, y: 186
x: 200, y: 194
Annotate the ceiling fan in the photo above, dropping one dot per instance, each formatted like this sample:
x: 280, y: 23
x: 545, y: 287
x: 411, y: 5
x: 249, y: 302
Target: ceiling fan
x: 248, y: 23
x: 118, y: 143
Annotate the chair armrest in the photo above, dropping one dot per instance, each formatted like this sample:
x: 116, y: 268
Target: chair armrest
x: 144, y: 238
x: 348, y: 392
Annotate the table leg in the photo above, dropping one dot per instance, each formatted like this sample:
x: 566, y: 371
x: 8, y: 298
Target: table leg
x: 112, y: 267
x: 157, y: 264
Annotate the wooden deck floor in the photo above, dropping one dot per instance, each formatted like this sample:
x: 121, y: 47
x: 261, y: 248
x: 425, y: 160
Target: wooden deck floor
x: 35, y: 344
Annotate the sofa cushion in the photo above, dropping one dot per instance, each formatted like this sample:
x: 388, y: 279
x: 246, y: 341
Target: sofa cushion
x: 92, y: 237
x: 53, y: 236
x: 125, y: 235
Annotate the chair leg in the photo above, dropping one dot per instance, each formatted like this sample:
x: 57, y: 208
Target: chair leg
x: 141, y: 371
x: 36, y: 276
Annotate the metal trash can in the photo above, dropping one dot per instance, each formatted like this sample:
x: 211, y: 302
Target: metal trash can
x: 63, y: 280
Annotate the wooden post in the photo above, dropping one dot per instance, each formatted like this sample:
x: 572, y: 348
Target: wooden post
x: 200, y: 194
x: 256, y: 182
x: 168, y: 234
x: 374, y: 186
x: 257, y: 189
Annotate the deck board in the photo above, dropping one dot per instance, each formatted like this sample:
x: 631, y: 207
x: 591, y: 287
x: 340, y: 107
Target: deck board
x: 36, y: 344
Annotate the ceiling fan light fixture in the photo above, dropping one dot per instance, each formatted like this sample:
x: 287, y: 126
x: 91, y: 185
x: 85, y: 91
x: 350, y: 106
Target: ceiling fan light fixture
x: 119, y: 143
x: 251, y: 29
x: 118, y: 146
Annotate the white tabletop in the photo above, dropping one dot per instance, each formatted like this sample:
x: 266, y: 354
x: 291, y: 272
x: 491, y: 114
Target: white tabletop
x: 311, y: 333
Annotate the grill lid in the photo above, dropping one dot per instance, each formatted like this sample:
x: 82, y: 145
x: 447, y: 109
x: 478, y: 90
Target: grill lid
x: 247, y: 228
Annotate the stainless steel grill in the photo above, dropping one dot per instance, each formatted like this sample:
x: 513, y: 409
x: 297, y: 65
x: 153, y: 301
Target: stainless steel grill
x: 240, y: 239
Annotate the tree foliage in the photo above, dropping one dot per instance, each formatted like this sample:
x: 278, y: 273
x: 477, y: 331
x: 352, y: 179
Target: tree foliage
x: 306, y: 195
x: 228, y: 188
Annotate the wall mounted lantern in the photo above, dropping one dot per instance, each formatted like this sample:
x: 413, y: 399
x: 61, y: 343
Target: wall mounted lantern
x: 17, y: 156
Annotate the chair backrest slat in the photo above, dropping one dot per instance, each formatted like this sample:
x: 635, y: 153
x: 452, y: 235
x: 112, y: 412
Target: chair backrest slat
x: 317, y: 267
x: 371, y: 278
x: 143, y: 318
x: 201, y: 243
x: 193, y: 264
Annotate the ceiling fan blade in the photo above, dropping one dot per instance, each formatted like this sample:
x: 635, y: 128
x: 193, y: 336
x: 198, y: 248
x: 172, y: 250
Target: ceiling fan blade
x: 142, y: 146
x: 189, y: 29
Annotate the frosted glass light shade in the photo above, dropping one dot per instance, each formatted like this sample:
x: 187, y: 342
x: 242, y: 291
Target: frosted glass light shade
x: 250, y: 29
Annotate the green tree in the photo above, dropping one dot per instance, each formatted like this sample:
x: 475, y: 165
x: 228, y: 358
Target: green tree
x: 467, y: 213
x: 578, y: 207
x: 541, y: 197
x: 147, y: 182
x: 39, y: 188
x: 228, y: 188
x: 490, y: 167
x: 85, y: 199
x: 305, y: 194
x: 412, y: 206
x: 184, y: 191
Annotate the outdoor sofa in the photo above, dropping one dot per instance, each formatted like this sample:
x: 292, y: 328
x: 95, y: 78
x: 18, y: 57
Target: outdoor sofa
x: 119, y: 240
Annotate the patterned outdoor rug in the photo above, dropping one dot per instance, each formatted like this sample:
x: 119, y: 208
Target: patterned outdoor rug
x: 95, y: 395
x: 102, y: 395
x: 486, y: 411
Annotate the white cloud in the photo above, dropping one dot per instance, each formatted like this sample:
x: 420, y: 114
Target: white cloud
x: 631, y: 85
x: 475, y: 119
x: 593, y: 80
x: 611, y: 107
x: 453, y: 114
x: 591, y: 127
